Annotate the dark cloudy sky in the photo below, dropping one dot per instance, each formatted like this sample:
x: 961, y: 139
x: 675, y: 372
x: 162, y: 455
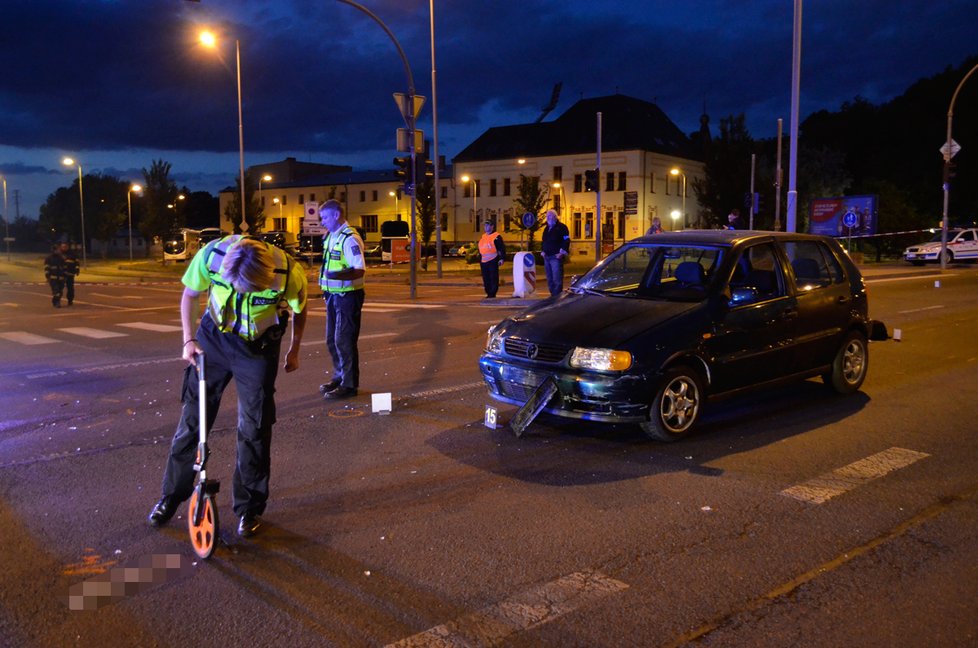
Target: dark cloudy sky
x: 119, y: 83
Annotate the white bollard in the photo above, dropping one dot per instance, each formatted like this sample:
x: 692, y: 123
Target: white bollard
x: 897, y: 335
x: 524, y: 274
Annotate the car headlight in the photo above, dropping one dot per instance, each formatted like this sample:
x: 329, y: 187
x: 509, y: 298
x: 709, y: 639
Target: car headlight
x: 600, y: 359
x: 494, y: 343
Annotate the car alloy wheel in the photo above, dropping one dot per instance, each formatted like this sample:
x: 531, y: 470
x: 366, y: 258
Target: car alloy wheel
x: 676, y: 406
x: 850, y: 364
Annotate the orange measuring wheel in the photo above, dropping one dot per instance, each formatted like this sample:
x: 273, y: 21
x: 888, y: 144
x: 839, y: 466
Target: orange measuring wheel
x: 202, y: 522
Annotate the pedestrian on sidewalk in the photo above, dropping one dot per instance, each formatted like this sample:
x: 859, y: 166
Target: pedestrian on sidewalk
x: 54, y: 272
x: 72, y: 269
x: 555, y: 244
x: 341, y: 278
x: 492, y: 254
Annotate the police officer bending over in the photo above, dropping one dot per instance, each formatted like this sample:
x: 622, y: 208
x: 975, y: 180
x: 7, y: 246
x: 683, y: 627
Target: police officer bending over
x: 253, y: 286
x: 341, y: 279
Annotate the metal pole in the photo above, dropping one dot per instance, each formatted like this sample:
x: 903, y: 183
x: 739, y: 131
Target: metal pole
x: 753, y: 199
x: 947, y: 168
x: 6, y: 219
x: 777, y: 185
x: 241, y: 178
x: 685, y: 223
x: 81, y: 203
x: 597, y: 200
x: 434, y: 140
x: 129, y: 203
x: 792, y: 224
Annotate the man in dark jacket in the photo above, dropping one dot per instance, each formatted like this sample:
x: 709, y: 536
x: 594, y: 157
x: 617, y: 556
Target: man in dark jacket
x: 556, y: 248
x: 54, y: 272
x: 71, y: 271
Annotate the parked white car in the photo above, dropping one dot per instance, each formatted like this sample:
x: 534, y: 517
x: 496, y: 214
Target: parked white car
x: 962, y: 245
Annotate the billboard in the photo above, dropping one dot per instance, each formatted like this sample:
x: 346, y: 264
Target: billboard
x: 845, y: 216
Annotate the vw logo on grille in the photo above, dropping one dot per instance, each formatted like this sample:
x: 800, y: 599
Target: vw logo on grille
x: 531, y: 351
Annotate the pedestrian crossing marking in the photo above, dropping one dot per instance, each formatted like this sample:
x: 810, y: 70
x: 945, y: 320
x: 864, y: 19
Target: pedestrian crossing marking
x: 28, y: 339
x: 842, y: 480
x: 92, y: 333
x: 158, y: 328
x: 401, y: 305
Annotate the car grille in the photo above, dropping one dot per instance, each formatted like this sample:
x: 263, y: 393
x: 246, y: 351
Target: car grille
x: 541, y: 352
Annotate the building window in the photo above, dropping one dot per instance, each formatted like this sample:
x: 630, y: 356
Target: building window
x: 342, y: 196
x: 622, y: 180
x: 588, y: 225
x: 577, y: 225
x: 263, y: 202
x: 302, y: 199
x: 363, y: 196
x: 558, y: 173
x: 375, y: 195
x: 492, y: 187
x: 557, y: 202
x: 578, y: 183
x: 621, y: 225
x: 609, y: 181
x: 369, y: 222
x: 478, y: 223
x: 285, y: 199
x: 444, y: 192
x: 506, y: 187
x: 467, y: 191
x: 652, y: 182
x: 279, y: 224
x: 444, y: 222
x: 478, y: 188
x: 312, y: 197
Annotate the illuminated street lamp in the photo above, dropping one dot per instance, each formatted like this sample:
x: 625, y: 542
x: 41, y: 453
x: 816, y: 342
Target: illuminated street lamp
x: 675, y: 218
x: 475, y: 186
x: 208, y: 39
x: 133, y: 187
x: 81, y: 206
x: 264, y: 178
x: 394, y: 193
x: 279, y: 203
x: 677, y: 172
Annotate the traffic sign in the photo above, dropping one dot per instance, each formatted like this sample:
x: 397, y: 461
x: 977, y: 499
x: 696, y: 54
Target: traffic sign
x: 404, y: 141
x: 850, y: 219
x: 401, y: 100
x: 949, y: 153
x: 529, y: 219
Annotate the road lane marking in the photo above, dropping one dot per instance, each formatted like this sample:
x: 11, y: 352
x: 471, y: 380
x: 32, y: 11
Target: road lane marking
x: 402, y: 305
x: 29, y: 339
x: 97, y: 334
x: 841, y: 480
x: 493, y: 625
x: 920, y: 310
x: 910, y: 278
x: 95, y: 294
x: 148, y: 326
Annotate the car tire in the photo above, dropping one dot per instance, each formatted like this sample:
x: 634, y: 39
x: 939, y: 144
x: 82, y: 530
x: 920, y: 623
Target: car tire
x: 917, y: 263
x: 948, y: 257
x: 676, y: 406
x: 850, y: 365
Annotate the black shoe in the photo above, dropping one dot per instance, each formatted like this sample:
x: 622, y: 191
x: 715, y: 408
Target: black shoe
x: 248, y: 525
x: 163, y: 511
x: 330, y: 386
x: 341, y: 392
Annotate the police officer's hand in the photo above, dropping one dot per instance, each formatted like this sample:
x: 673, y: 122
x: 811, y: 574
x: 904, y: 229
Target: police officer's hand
x: 190, y: 351
x: 291, y: 360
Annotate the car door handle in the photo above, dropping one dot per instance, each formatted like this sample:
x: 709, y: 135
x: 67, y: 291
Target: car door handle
x: 789, y: 314
x: 842, y: 299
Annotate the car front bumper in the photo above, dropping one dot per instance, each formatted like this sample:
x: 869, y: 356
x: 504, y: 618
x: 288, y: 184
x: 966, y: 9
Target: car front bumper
x: 621, y: 398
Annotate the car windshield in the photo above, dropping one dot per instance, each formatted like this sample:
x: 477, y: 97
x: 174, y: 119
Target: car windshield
x: 950, y: 236
x: 671, y: 272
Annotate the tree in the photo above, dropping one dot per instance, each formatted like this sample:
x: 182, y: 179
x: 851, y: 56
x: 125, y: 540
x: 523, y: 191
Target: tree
x: 425, y: 194
x: 726, y: 171
x: 531, y: 198
x: 159, y: 191
x: 105, y: 210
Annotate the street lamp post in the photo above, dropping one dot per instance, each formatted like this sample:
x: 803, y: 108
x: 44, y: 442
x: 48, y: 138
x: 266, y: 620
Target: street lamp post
x: 6, y: 219
x: 278, y: 202
x: 397, y: 216
x: 475, y: 187
x: 81, y: 206
x: 209, y: 40
x: 264, y: 178
x: 677, y: 172
x: 133, y: 187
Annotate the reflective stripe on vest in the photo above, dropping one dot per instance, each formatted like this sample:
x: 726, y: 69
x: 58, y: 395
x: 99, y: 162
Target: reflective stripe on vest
x: 487, y: 247
x: 250, y: 314
x: 334, y: 261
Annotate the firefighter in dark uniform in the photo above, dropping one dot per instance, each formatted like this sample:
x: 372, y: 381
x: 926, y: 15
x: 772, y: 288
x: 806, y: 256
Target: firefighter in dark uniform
x: 341, y: 278
x: 54, y: 273
x: 252, y: 287
x: 71, y: 271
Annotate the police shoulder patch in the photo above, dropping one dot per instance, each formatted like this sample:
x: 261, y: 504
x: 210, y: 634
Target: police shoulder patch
x: 355, y: 249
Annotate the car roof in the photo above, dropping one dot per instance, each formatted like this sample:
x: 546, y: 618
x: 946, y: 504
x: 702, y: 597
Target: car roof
x: 723, y: 237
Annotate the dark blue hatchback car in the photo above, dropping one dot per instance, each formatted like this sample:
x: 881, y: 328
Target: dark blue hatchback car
x: 668, y: 321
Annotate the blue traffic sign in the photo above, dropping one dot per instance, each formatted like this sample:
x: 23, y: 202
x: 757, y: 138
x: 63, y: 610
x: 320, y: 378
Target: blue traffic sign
x: 850, y: 219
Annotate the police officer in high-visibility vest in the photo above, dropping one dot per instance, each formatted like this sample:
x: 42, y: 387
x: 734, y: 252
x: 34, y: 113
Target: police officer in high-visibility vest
x: 252, y: 286
x: 341, y: 278
x: 492, y: 254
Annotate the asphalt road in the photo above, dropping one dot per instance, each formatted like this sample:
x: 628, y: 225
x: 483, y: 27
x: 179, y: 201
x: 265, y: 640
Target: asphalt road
x: 792, y: 518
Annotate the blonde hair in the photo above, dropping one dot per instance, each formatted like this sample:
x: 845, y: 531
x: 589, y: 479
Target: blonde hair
x: 249, y: 266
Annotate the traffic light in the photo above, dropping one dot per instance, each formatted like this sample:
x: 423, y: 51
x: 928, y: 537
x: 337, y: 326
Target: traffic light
x: 402, y: 171
x: 591, y: 180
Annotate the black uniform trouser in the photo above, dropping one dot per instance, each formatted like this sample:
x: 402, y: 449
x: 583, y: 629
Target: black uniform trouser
x: 57, y: 288
x: 343, y: 314
x: 227, y: 356
x: 490, y: 276
x: 70, y: 288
